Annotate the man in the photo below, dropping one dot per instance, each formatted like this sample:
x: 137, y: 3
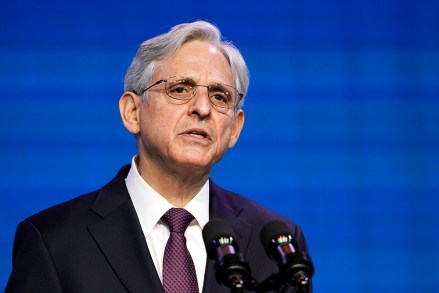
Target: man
x: 183, y: 96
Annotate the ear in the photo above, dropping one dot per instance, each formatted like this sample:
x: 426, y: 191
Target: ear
x: 237, y: 126
x: 129, y: 105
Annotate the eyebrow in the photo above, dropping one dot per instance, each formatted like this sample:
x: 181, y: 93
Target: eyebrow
x: 191, y: 78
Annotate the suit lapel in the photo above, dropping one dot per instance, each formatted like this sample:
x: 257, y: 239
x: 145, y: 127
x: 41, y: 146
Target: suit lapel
x: 221, y: 207
x: 120, y: 237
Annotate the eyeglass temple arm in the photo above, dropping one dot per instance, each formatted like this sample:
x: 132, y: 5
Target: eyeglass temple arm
x: 154, y: 84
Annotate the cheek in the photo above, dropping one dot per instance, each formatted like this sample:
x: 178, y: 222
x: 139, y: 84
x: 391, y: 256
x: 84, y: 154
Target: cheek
x: 161, y: 119
x: 153, y: 112
x: 225, y: 133
x: 151, y: 117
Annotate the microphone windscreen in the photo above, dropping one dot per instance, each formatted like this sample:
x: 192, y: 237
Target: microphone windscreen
x: 212, y: 231
x: 272, y: 230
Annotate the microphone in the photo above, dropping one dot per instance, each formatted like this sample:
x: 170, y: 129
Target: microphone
x: 231, y: 268
x: 295, y: 267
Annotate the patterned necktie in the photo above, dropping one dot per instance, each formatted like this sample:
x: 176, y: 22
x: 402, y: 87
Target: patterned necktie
x: 178, y: 267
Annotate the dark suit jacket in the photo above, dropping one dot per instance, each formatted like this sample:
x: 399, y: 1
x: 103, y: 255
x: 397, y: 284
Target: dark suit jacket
x: 94, y: 243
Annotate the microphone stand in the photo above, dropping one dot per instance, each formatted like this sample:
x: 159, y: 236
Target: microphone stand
x: 272, y: 283
x: 296, y: 272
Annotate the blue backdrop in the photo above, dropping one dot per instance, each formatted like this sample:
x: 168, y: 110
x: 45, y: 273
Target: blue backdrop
x: 342, y: 129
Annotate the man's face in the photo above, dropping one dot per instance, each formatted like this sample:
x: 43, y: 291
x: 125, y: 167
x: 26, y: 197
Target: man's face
x: 192, y: 136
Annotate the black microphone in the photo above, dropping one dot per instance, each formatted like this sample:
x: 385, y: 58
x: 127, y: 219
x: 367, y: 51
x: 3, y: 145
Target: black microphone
x: 295, y: 267
x: 231, y: 268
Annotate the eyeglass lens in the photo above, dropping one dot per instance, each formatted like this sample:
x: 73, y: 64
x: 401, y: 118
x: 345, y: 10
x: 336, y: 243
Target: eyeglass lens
x: 185, y: 88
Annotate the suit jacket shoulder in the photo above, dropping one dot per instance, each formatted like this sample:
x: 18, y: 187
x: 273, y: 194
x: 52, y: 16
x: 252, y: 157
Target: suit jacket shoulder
x: 253, y: 213
x: 93, y: 243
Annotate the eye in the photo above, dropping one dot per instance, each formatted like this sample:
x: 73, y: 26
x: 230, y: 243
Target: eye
x: 182, y: 88
x: 220, y: 96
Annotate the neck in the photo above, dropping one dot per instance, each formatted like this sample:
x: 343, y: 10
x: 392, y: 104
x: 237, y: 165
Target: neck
x: 178, y: 187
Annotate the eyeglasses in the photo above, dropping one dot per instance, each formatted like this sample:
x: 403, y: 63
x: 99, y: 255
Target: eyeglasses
x: 184, y: 89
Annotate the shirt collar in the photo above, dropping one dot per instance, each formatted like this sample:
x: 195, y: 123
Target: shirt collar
x: 150, y: 205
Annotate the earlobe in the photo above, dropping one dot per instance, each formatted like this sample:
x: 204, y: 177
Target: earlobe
x: 238, y: 124
x: 129, y: 105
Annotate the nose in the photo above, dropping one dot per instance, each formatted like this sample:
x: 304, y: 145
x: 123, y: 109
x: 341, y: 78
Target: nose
x: 200, y: 103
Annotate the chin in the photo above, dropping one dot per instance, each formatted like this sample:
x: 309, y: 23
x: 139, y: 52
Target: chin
x: 196, y: 163
x: 197, y: 160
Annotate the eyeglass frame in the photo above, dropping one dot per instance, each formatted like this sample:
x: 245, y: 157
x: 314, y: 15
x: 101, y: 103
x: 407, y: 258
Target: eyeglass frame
x: 194, y: 93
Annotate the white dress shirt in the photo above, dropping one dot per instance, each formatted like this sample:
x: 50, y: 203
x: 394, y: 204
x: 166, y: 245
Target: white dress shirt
x: 150, y: 206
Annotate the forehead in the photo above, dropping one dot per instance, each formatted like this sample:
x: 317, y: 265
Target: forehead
x: 199, y: 60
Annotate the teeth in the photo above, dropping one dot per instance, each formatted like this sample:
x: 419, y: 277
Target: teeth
x: 197, y: 134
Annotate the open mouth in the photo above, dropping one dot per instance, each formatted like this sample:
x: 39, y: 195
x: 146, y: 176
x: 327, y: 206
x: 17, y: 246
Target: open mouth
x: 197, y: 133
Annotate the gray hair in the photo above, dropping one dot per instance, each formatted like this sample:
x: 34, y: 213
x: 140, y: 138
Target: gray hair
x: 152, y: 51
